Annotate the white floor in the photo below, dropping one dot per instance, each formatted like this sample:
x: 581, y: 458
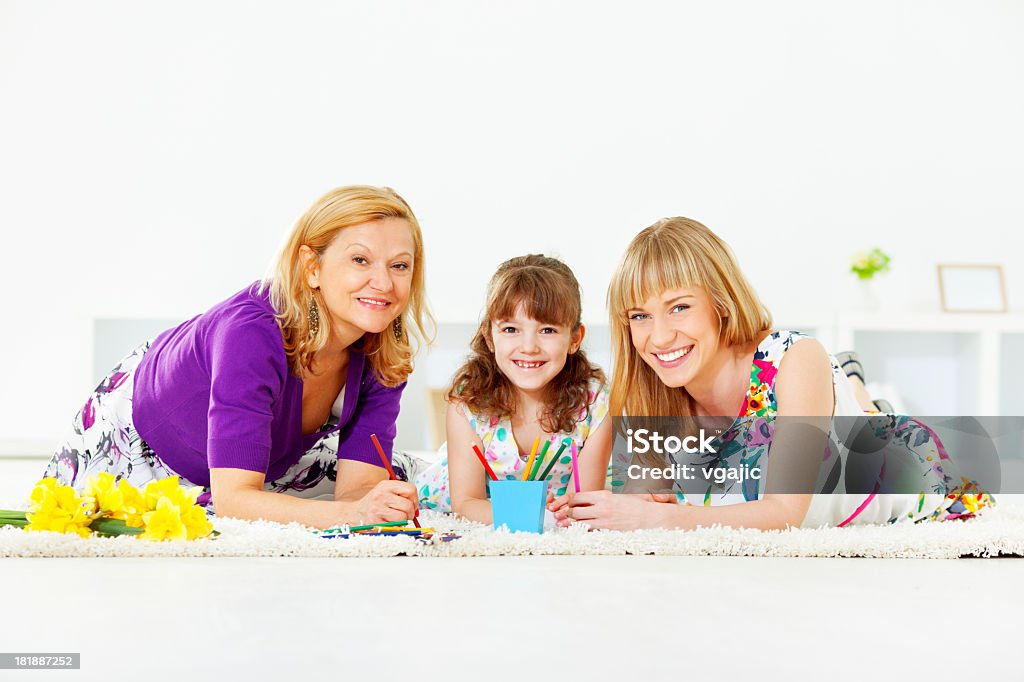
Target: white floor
x: 515, y: 618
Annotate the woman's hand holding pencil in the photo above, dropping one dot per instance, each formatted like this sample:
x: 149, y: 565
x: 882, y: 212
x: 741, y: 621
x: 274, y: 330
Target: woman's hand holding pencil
x: 388, y: 501
x: 404, y: 487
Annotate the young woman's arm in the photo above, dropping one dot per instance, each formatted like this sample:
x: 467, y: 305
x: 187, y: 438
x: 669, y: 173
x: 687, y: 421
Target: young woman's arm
x: 803, y: 388
x: 466, y: 475
x: 239, y: 493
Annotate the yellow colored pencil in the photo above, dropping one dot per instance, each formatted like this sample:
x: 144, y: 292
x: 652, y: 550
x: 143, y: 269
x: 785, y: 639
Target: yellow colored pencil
x: 529, y: 461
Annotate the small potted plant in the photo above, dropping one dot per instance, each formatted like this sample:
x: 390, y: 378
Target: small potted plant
x: 866, y: 265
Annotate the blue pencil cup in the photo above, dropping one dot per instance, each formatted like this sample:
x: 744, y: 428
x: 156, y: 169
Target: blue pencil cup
x: 519, y: 505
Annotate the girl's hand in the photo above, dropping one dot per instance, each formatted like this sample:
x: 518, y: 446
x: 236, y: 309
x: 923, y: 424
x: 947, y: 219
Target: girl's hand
x: 604, y: 509
x: 559, y: 507
x: 556, y: 504
x: 388, y: 501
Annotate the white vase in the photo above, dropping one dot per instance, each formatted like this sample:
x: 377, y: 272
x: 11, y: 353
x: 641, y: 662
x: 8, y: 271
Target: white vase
x: 867, y: 299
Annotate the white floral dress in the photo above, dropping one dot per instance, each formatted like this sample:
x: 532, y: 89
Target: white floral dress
x: 748, y: 441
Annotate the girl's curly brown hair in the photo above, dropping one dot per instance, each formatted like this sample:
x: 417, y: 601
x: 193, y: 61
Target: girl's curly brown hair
x: 550, y: 294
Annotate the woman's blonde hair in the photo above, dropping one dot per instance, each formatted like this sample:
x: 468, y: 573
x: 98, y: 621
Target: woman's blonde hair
x: 549, y: 294
x: 674, y: 253
x: 290, y: 294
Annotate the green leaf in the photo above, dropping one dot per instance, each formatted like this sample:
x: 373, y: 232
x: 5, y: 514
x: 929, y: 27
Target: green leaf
x: 113, y: 527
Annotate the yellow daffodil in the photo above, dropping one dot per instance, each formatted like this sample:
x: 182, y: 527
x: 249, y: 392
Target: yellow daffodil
x: 133, y: 504
x: 172, y: 490
x: 59, y: 508
x: 164, y: 522
x: 103, y: 488
x: 164, y: 509
x: 197, y: 525
x: 174, y: 510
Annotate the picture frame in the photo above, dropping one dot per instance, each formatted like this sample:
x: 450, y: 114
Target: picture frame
x: 972, y: 288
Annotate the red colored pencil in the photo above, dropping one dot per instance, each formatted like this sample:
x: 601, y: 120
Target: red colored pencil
x: 391, y: 473
x: 483, y: 460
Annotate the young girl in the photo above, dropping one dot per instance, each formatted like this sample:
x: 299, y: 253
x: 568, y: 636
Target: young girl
x: 692, y: 339
x: 527, y: 379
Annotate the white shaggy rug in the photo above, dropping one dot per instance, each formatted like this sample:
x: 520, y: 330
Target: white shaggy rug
x: 997, y: 532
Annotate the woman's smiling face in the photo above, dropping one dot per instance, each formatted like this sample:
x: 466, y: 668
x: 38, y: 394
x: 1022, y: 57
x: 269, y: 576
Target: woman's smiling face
x: 365, y: 275
x: 677, y: 333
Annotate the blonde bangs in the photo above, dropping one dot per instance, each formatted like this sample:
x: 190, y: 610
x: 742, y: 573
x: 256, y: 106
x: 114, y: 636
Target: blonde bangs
x: 654, y: 267
x: 674, y: 253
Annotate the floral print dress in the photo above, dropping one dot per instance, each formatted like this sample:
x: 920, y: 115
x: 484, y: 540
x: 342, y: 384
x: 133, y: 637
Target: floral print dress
x: 747, y: 442
x: 103, y: 438
x: 504, y: 454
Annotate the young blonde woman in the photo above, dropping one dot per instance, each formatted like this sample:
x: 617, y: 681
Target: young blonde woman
x: 270, y: 396
x: 691, y: 338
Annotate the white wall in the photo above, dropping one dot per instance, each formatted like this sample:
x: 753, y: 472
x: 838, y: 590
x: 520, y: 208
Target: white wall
x: 151, y: 156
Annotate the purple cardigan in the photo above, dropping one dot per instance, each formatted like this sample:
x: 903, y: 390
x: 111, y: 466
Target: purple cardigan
x: 216, y: 391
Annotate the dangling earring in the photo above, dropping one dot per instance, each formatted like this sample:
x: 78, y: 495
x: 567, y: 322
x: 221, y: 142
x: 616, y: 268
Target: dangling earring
x: 314, y: 316
x: 397, y: 328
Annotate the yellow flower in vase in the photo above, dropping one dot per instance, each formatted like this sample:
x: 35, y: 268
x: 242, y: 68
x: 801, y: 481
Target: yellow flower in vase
x: 59, y: 508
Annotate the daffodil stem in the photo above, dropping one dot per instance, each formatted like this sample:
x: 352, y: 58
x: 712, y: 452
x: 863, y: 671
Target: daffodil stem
x: 113, y: 527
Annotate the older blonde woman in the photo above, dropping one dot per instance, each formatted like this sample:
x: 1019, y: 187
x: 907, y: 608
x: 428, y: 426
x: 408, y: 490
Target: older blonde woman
x: 271, y: 396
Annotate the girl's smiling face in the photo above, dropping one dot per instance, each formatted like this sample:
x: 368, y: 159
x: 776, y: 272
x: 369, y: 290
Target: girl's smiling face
x: 677, y: 334
x: 531, y: 353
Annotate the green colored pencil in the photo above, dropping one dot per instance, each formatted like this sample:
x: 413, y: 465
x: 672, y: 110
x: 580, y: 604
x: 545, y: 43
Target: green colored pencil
x: 551, y: 464
x: 540, y: 460
x: 389, y: 524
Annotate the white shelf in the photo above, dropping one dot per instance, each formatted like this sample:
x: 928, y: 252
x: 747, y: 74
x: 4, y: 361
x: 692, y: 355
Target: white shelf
x: 961, y: 363
x: 933, y: 322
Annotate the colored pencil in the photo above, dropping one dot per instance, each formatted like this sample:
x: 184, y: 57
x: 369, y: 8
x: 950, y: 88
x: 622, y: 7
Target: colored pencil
x: 540, y: 460
x: 551, y: 464
x: 575, y: 469
x: 387, y: 524
x: 483, y: 460
x: 529, y: 460
x: 391, y: 473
